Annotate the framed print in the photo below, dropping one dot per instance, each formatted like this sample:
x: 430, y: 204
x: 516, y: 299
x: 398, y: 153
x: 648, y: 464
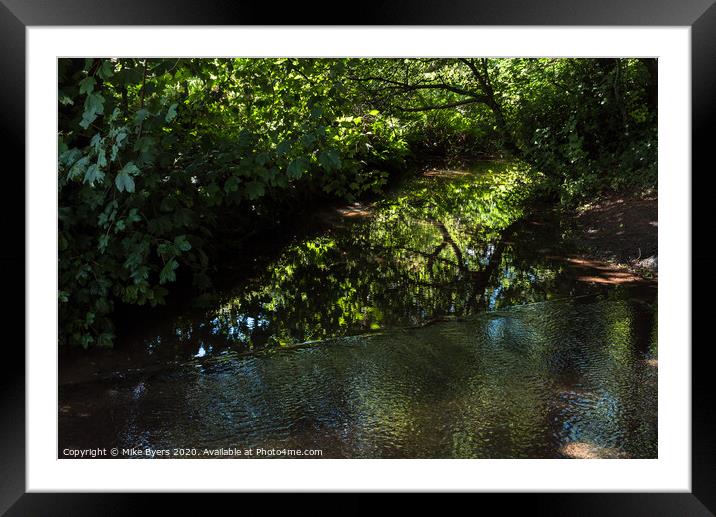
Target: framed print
x: 420, y: 252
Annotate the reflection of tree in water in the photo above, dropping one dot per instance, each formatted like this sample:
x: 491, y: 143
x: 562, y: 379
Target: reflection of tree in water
x: 438, y: 248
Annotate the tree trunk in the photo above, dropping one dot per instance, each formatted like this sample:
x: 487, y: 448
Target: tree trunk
x: 507, y: 139
x: 652, y: 85
x: 480, y: 70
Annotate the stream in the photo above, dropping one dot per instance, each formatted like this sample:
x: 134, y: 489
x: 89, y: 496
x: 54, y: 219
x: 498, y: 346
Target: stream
x: 452, y: 319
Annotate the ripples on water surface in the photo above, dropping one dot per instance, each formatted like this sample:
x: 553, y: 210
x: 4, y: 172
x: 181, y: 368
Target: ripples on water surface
x: 572, y: 377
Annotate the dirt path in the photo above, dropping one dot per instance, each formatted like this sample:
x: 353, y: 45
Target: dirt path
x: 620, y: 231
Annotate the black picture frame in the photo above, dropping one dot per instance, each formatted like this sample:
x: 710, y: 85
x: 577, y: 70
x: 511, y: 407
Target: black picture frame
x: 17, y: 15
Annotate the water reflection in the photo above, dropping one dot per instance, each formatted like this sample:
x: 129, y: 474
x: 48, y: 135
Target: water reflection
x: 446, y: 322
x: 447, y: 245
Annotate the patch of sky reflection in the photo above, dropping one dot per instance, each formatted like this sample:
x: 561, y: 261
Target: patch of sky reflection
x: 201, y: 352
x: 494, y: 296
x: 589, y: 416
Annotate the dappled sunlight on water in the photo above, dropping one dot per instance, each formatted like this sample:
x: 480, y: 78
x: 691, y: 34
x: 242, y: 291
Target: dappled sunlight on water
x: 445, y: 173
x: 552, y: 379
x: 355, y: 210
x: 590, y: 451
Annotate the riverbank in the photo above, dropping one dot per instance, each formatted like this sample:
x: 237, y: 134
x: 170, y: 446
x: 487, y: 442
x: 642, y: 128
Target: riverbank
x: 620, y: 230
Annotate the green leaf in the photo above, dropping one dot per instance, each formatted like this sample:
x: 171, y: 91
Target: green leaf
x: 132, y: 169
x: 87, y: 85
x: 167, y: 273
x: 181, y: 243
x: 255, y: 189
x: 79, y: 168
x: 65, y: 100
x: 262, y: 158
x: 283, y: 148
x: 329, y: 160
x: 69, y: 156
x: 94, y: 105
x: 281, y: 181
x: 134, y: 216
x: 171, y: 113
x: 103, y: 242
x: 124, y: 181
x: 94, y: 174
x: 116, y: 112
x: 140, y: 116
x: 96, y: 140
x: 106, y: 70
x: 101, y: 158
x: 296, y: 168
x: 121, y: 135
x: 145, y: 144
x: 165, y: 249
x: 232, y: 184
x: 308, y: 139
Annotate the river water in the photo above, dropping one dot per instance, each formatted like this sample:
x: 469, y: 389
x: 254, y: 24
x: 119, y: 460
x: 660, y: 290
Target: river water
x: 446, y: 321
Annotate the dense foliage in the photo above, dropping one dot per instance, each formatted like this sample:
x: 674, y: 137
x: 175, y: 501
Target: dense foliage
x: 157, y: 156
x: 589, y: 124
